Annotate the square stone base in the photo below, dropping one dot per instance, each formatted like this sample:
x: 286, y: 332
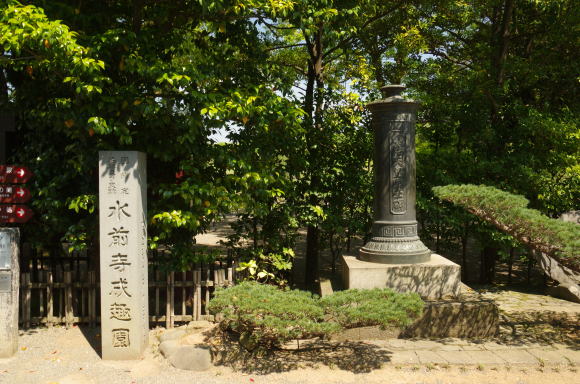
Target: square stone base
x: 435, y: 279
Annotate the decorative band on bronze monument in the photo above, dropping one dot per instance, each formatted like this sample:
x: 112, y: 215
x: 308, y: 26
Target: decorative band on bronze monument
x: 394, y: 233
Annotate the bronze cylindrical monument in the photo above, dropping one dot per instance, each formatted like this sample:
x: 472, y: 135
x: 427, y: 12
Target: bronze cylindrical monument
x: 394, y: 232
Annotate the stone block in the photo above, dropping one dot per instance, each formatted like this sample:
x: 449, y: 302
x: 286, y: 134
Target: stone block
x: 485, y: 357
x: 571, y: 217
x: 461, y: 318
x: 549, y: 357
x: 325, y: 288
x: 366, y: 333
x: 123, y: 254
x: 172, y: 334
x: 430, y: 357
x: 434, y: 279
x: 405, y: 357
x: 569, y: 292
x: 459, y: 358
x: 191, y: 358
x: 167, y: 348
x: 469, y: 316
x: 9, y: 290
x: 516, y: 356
x: 199, y: 324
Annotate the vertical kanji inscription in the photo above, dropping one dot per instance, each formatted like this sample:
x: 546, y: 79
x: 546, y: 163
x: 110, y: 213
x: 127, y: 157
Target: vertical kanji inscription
x: 124, y: 301
x: 398, y: 169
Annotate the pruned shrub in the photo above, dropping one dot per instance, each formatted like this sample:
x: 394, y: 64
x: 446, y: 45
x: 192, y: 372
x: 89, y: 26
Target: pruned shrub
x: 509, y: 213
x: 266, y: 316
x: 384, y: 307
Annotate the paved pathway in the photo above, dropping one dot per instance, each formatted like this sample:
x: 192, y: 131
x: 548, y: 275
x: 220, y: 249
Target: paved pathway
x: 463, y: 352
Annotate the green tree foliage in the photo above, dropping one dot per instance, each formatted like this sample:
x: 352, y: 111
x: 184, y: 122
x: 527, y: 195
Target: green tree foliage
x: 167, y: 76
x: 315, y: 45
x: 286, y: 81
x: 500, y: 99
x: 266, y: 316
x: 509, y: 213
x: 498, y: 82
x: 45, y: 75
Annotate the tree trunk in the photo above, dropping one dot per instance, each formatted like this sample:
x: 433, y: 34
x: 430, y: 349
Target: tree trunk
x: 489, y: 257
x: 313, y: 102
x: 511, y: 265
x: 500, y: 37
x: 503, y: 42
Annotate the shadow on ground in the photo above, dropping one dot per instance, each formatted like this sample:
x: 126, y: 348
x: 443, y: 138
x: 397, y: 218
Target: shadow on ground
x: 357, y: 357
x: 93, y: 337
x: 543, y: 334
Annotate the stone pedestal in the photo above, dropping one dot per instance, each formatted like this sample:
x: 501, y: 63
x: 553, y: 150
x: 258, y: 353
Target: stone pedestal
x: 434, y: 279
x: 9, y: 286
x: 123, y: 244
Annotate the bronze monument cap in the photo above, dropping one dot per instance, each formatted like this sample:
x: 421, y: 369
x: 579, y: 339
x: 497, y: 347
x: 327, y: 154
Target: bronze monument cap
x: 392, y: 90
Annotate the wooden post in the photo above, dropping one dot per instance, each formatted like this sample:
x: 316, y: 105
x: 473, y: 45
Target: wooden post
x: 170, y: 305
x: 68, y: 299
x: 197, y: 294
x: 183, y: 294
x: 157, y: 281
x: 207, y: 285
x: 26, y: 296
x: 9, y: 290
x: 230, y: 275
x: 49, y: 299
x: 41, y: 279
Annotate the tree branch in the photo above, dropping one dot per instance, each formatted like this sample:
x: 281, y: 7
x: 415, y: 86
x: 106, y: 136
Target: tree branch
x: 365, y: 25
x: 536, y: 244
x: 449, y: 58
x: 286, y: 46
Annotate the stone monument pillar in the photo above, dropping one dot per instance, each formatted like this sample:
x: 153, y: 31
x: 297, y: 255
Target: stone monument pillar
x: 395, y: 257
x: 123, y: 247
x: 9, y: 286
x: 394, y: 232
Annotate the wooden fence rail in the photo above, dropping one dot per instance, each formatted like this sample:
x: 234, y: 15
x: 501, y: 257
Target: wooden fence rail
x: 59, y: 299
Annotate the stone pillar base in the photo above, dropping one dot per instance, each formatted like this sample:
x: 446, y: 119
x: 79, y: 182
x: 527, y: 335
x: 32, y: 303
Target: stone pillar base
x: 435, y: 279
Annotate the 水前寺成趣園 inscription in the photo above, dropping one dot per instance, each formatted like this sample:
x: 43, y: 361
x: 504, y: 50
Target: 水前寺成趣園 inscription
x: 122, y: 194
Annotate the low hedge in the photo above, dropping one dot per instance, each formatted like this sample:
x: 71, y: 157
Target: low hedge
x: 267, y: 316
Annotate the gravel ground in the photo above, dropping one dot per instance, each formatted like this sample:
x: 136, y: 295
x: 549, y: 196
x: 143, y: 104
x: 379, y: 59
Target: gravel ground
x: 58, y: 355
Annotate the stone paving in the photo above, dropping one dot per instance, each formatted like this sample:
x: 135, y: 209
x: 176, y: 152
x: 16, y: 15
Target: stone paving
x: 514, y: 303
x: 463, y: 352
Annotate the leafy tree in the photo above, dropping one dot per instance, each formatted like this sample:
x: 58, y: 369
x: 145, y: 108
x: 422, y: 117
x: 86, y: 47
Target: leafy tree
x: 48, y: 74
x: 167, y: 76
x: 499, y: 96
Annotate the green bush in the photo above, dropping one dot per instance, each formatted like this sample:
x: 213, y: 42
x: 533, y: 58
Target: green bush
x: 383, y: 307
x: 509, y: 213
x: 266, y: 316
